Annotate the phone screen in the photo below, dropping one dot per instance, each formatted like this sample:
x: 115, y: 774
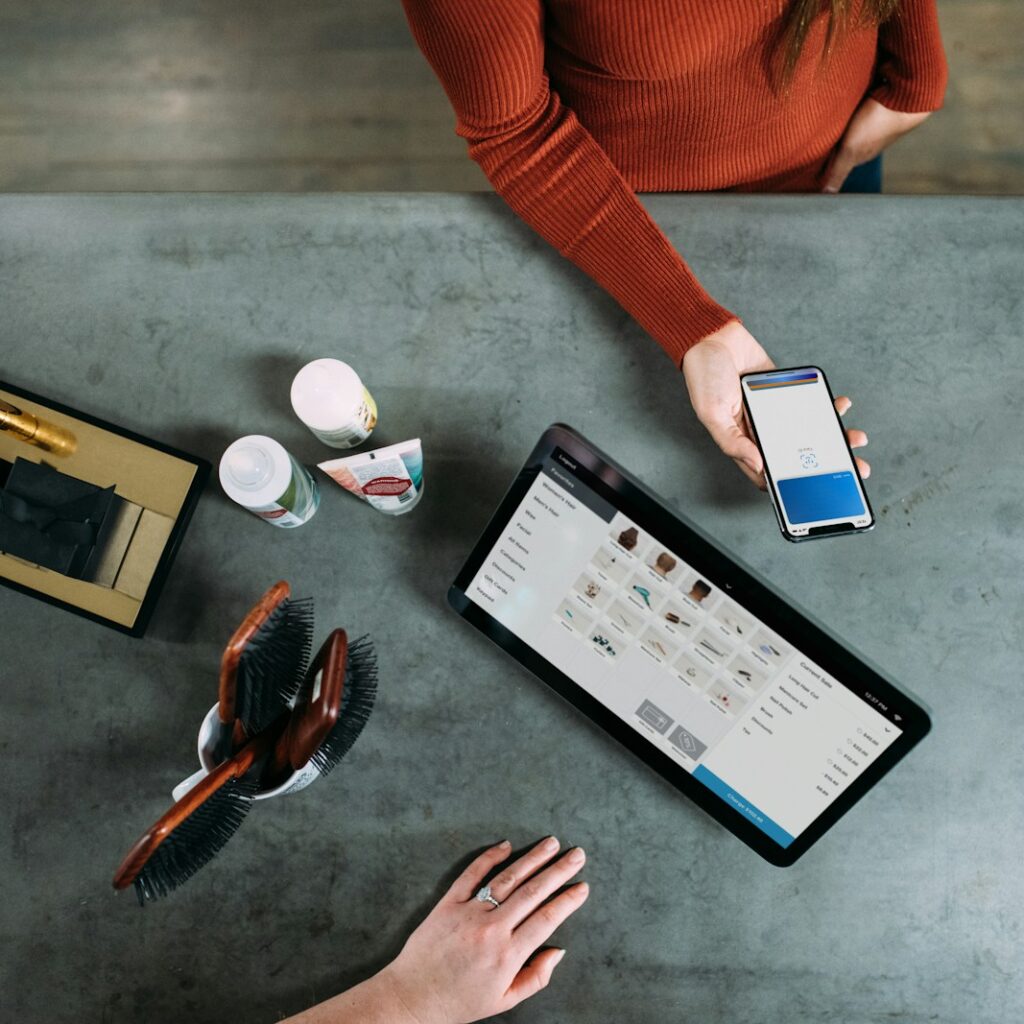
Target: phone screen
x: 810, y: 470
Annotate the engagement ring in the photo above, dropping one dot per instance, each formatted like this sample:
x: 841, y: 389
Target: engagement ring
x: 484, y: 896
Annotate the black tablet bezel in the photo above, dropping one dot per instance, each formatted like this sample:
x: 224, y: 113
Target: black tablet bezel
x: 744, y: 585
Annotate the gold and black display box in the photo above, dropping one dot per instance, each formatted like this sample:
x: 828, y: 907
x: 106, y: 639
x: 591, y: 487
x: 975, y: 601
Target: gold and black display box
x: 91, y: 514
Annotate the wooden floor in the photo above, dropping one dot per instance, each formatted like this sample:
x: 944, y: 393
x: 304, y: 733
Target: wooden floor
x: 316, y: 95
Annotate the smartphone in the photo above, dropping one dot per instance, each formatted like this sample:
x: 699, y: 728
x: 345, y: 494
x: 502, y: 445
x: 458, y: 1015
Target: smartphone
x: 810, y: 470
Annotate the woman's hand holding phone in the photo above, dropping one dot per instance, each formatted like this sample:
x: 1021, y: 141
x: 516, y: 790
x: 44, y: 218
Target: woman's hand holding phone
x: 712, y: 370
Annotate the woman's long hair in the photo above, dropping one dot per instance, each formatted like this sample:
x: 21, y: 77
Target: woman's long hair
x: 801, y: 13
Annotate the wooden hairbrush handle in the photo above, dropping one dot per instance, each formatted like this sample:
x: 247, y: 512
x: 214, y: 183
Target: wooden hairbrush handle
x: 228, y: 683
x: 234, y: 768
x: 314, y: 714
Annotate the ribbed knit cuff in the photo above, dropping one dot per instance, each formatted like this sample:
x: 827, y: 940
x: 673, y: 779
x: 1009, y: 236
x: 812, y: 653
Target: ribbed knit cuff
x: 912, y: 70
x: 694, y: 327
x: 910, y: 97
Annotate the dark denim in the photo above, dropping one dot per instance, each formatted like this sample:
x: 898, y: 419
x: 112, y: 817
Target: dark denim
x: 865, y: 177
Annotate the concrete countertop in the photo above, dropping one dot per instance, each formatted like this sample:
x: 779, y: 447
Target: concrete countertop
x: 185, y: 317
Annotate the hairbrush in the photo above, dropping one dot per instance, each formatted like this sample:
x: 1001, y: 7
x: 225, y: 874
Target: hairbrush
x: 331, y: 709
x: 263, y: 665
x: 195, y: 829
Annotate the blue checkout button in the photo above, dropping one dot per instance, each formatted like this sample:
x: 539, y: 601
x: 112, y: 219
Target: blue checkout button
x: 809, y: 499
x: 745, y: 807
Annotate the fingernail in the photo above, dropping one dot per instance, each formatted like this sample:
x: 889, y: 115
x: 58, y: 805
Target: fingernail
x: 830, y: 191
x: 576, y: 855
x: 582, y: 888
x: 503, y: 844
x: 560, y: 957
x: 551, y: 843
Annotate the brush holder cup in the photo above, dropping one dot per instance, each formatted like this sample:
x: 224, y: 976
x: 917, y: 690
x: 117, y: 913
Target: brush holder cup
x: 206, y: 744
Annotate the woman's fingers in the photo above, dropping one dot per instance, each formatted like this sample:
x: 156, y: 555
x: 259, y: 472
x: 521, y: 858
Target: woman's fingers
x: 534, y: 976
x: 872, y: 128
x: 857, y: 438
x: 741, y: 449
x: 839, y: 170
x: 464, y: 887
x: 506, y: 883
x: 737, y: 445
x: 533, y: 892
x: 758, y: 481
x: 755, y: 478
x: 742, y: 452
x: 541, y: 924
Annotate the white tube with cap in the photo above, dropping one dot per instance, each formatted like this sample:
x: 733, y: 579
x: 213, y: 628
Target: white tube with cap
x: 263, y: 478
x: 328, y: 396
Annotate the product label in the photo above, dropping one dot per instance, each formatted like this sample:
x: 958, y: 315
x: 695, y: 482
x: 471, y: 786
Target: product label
x: 357, y: 430
x: 385, y: 486
x: 385, y: 483
x: 298, y: 503
x: 277, y: 515
x: 343, y: 475
x: 390, y: 479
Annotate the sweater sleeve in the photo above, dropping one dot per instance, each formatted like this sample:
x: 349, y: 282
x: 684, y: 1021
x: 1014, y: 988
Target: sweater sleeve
x: 489, y: 57
x: 911, y: 73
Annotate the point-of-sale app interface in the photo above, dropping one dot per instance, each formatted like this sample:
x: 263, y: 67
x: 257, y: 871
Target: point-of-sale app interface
x: 624, y: 616
x: 805, y: 450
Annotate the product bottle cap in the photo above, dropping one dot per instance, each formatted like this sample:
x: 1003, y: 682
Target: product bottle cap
x: 248, y: 465
x: 319, y: 381
x: 326, y: 393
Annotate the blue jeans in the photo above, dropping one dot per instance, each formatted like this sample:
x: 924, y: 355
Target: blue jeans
x: 865, y: 177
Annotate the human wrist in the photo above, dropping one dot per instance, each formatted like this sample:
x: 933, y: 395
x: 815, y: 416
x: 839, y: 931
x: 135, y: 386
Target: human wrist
x: 690, y: 330
x: 401, y: 1000
x: 727, y: 334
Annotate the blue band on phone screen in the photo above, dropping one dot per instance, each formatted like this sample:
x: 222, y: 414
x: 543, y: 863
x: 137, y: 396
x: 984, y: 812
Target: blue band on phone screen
x: 809, y: 499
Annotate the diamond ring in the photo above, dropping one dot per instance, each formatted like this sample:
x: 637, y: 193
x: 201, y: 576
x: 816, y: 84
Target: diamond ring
x: 484, y: 896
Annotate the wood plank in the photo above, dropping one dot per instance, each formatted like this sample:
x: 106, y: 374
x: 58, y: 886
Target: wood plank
x: 435, y: 175
x: 256, y: 94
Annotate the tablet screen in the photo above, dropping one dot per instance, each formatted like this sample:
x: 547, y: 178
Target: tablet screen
x: 664, y: 648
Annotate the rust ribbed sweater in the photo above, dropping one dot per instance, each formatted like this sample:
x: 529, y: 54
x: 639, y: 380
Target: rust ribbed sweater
x: 572, y: 106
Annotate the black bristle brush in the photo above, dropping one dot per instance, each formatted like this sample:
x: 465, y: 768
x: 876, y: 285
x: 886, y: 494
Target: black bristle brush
x: 331, y: 709
x: 196, y: 828
x: 357, y: 700
x: 263, y: 665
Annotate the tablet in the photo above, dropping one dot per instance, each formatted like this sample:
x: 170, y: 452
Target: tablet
x: 717, y: 681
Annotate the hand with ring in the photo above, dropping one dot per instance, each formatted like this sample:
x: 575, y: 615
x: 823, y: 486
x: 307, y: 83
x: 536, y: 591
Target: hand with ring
x: 471, y: 957
x: 476, y: 953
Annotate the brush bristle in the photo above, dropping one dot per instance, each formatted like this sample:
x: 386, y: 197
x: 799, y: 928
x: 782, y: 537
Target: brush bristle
x: 356, y: 705
x: 198, y: 839
x: 274, y: 663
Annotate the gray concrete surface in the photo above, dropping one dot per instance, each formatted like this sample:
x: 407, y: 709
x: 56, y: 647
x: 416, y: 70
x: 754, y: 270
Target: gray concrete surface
x: 185, y: 317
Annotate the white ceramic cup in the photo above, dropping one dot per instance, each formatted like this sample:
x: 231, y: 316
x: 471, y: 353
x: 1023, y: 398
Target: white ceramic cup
x: 206, y: 744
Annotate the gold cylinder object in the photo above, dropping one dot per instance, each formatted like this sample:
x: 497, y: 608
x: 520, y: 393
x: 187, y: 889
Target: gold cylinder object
x: 32, y: 430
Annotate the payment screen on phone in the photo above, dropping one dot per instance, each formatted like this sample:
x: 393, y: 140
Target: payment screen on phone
x: 808, y: 462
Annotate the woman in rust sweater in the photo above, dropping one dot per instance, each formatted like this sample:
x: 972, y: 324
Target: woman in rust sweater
x: 571, y: 107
